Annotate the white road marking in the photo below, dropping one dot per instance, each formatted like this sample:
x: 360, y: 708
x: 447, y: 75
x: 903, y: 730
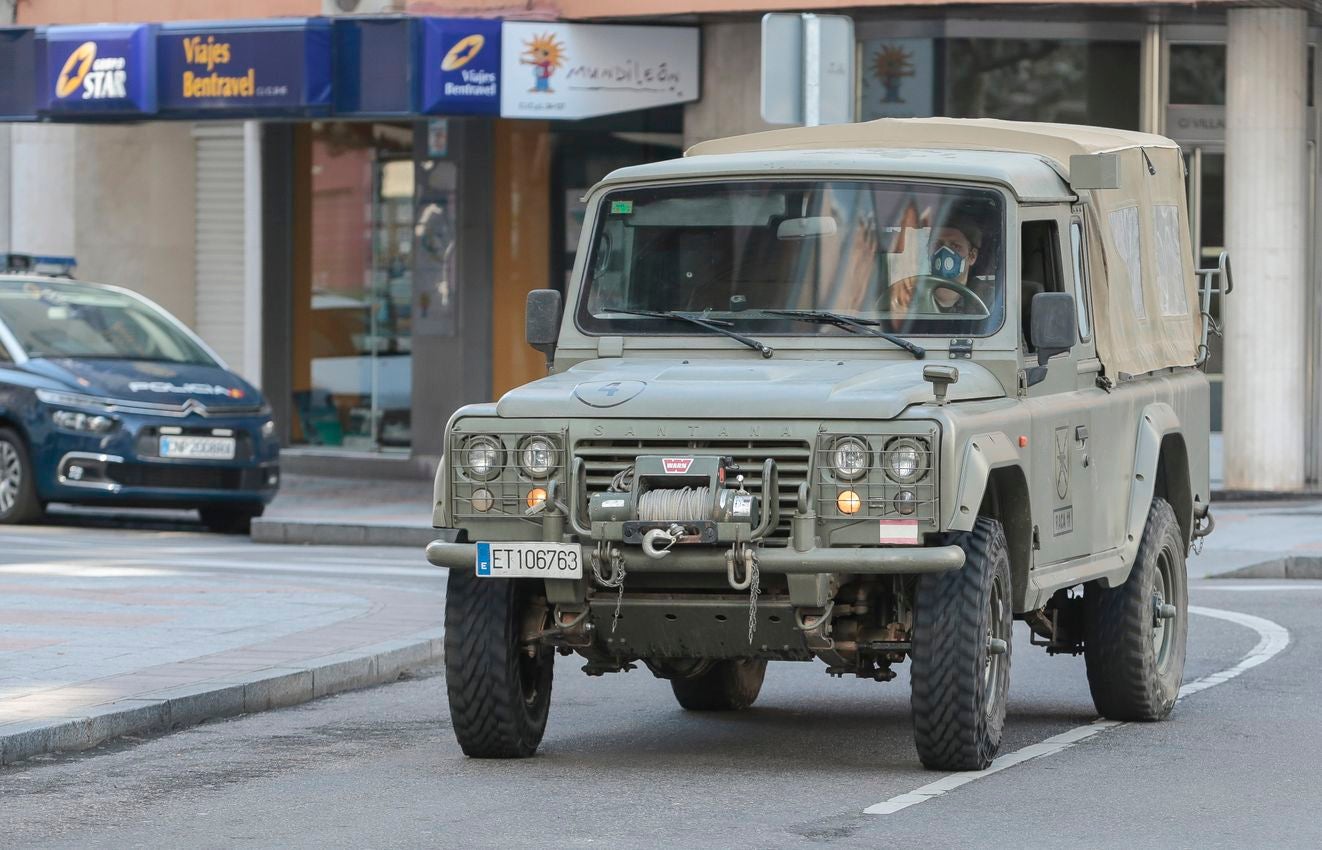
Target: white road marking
x: 1273, y: 638
x: 1294, y: 585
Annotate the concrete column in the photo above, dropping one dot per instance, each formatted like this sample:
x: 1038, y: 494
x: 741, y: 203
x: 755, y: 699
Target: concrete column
x: 1267, y: 236
x: 41, y: 189
x: 5, y: 171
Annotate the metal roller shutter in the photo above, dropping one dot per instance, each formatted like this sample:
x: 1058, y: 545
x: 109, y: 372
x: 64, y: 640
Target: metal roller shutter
x: 220, y: 243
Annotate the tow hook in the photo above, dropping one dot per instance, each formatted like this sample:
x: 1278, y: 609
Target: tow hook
x: 657, y: 542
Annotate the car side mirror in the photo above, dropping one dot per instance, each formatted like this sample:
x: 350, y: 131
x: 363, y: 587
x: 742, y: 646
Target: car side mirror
x: 1054, y: 328
x: 541, y: 325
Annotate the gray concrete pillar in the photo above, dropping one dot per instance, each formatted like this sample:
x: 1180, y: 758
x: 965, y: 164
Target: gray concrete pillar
x: 1267, y: 236
x: 5, y: 171
x: 41, y: 189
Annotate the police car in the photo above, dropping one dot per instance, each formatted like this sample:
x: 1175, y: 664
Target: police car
x: 106, y: 399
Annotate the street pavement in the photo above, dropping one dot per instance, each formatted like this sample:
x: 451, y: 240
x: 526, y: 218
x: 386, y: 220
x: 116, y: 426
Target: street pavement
x: 100, y: 620
x: 623, y: 766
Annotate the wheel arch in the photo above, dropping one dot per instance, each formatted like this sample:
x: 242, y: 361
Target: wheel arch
x: 993, y: 483
x: 1161, y: 468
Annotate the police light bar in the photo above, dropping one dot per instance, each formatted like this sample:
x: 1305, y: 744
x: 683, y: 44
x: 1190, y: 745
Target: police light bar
x: 54, y: 266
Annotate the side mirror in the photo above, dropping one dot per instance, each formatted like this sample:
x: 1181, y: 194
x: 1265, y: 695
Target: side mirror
x: 541, y: 325
x: 1054, y: 329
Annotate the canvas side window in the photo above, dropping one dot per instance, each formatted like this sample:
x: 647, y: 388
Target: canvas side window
x: 1082, y: 299
x: 1170, y: 271
x: 1125, y: 232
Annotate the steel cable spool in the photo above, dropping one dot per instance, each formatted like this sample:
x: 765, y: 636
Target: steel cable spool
x: 685, y: 504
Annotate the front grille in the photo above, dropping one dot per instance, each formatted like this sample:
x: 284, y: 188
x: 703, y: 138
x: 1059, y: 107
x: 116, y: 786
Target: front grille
x: 604, y: 459
x: 185, y: 477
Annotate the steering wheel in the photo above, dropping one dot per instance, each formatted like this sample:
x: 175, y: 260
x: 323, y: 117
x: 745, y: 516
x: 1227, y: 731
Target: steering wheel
x: 924, y: 299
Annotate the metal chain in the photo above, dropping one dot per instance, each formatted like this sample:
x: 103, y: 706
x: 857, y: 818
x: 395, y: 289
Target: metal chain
x: 754, y: 588
x: 616, y: 580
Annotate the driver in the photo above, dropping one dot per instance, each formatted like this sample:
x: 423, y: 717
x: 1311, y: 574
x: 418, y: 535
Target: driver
x: 952, y: 252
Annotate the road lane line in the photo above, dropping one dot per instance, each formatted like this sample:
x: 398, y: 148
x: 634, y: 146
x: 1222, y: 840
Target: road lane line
x: 1273, y: 638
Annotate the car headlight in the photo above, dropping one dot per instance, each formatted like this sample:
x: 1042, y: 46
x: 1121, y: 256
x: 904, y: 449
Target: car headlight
x: 78, y: 400
x: 268, y: 429
x: 72, y: 420
x: 905, y: 460
x: 537, y: 457
x: 482, y: 457
x: 849, y: 458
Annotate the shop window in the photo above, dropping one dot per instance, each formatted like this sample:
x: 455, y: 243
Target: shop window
x: 1077, y: 82
x: 1124, y: 230
x: 1198, y: 74
x: 352, y: 370
x: 1170, y: 268
x: 1039, y: 269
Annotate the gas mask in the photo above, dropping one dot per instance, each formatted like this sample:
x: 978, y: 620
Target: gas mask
x: 947, y: 263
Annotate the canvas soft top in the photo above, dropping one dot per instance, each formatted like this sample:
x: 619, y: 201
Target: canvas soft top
x: 1144, y: 296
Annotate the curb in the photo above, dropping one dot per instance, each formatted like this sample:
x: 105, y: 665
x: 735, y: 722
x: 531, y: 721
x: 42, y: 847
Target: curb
x: 1289, y: 567
x: 311, y: 532
x: 175, y: 708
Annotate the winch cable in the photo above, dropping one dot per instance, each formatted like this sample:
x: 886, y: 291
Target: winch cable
x: 684, y: 504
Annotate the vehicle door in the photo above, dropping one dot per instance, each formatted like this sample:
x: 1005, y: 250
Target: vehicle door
x: 1062, y: 477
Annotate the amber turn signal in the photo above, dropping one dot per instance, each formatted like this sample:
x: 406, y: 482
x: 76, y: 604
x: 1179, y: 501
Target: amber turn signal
x: 848, y: 502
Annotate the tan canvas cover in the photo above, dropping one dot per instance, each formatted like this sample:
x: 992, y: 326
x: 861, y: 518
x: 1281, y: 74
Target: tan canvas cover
x: 1145, y: 305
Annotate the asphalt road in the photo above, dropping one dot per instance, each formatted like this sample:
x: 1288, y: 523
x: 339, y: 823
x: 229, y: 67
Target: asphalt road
x: 623, y: 766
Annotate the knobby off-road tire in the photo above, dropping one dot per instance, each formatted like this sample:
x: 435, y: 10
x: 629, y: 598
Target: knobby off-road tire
x: 959, y: 685
x: 18, y: 491
x: 725, y: 686
x: 499, y: 695
x: 1135, y: 659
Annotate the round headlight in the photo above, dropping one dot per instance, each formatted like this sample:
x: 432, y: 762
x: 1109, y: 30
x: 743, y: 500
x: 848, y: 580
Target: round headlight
x: 905, y: 502
x: 906, y: 460
x: 482, y: 457
x: 849, y: 458
x: 537, y: 457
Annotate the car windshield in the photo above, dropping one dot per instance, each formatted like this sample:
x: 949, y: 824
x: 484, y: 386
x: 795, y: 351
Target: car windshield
x: 57, y: 319
x: 917, y: 259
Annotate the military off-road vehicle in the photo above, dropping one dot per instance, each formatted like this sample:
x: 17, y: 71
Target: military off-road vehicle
x: 862, y: 394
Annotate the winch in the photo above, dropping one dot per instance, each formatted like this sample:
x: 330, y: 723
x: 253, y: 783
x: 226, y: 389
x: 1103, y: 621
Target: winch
x: 680, y: 500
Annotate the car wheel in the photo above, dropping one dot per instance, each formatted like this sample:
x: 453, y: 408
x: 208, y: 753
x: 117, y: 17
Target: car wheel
x: 960, y: 670
x: 499, y: 688
x: 229, y: 520
x: 1134, y: 638
x: 18, y: 492
x: 729, y: 685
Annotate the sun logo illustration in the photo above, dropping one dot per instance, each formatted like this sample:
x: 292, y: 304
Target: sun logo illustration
x: 545, y: 53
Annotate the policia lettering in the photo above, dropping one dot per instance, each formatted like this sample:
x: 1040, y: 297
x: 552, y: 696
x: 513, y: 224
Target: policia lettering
x: 209, y: 54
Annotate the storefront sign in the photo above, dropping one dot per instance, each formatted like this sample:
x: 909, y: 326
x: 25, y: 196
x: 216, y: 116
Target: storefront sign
x: 1196, y: 124
x: 99, y: 70
x: 18, y: 64
x: 267, y: 67
x: 460, y: 66
x: 376, y: 61
x: 553, y: 70
x: 899, y: 78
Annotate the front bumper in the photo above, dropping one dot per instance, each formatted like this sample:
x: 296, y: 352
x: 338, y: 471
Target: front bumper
x: 897, y: 560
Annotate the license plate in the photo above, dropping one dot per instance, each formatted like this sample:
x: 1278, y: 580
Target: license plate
x: 203, y: 448
x: 529, y: 560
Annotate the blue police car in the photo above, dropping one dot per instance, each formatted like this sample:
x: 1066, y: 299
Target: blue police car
x: 106, y: 399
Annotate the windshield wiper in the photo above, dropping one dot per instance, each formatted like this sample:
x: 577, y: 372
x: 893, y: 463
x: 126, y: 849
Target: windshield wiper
x: 710, y: 324
x: 862, y: 326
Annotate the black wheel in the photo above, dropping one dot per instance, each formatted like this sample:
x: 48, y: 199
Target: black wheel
x: 1135, y: 634
x: 18, y: 492
x: 499, y: 693
x: 728, y: 685
x: 960, y: 667
x: 229, y: 520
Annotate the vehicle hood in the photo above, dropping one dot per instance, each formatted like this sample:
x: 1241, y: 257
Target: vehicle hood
x: 149, y: 381
x: 771, y: 389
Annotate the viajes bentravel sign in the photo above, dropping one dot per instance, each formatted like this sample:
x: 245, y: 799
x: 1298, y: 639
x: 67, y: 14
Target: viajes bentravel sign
x: 551, y: 70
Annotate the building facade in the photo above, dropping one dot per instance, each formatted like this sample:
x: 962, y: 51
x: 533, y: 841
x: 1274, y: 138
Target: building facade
x: 368, y: 264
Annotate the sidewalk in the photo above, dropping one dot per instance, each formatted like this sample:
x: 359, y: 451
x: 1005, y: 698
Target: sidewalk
x: 133, y: 644
x: 348, y: 512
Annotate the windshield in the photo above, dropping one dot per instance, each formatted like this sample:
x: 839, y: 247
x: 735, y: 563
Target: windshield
x: 54, y: 319
x: 913, y: 258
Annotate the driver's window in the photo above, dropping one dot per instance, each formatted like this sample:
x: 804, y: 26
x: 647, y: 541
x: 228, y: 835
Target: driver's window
x: 1039, y: 269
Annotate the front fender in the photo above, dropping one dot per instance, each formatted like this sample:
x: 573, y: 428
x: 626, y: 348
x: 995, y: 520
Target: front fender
x: 982, y: 453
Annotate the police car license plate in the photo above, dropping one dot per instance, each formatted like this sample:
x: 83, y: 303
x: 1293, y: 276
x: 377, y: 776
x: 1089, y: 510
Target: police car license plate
x: 529, y: 560
x: 201, y: 448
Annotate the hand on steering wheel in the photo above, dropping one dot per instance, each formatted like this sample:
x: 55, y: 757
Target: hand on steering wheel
x: 920, y: 297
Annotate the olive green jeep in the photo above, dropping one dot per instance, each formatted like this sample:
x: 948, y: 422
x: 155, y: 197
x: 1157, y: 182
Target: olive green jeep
x: 864, y: 394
